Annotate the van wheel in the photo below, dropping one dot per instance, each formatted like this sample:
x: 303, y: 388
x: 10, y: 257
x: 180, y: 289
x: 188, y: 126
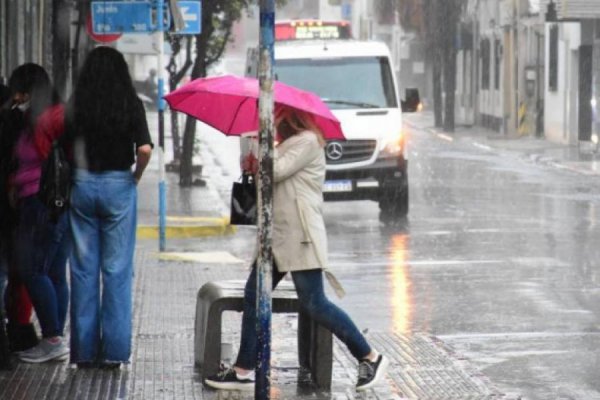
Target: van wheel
x: 393, y: 205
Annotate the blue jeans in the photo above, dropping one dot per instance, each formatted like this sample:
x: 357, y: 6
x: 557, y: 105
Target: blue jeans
x: 312, y: 299
x: 43, y: 249
x: 103, y: 221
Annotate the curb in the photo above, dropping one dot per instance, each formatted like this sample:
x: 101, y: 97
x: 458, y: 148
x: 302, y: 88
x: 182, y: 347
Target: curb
x: 192, y: 227
x: 534, y: 158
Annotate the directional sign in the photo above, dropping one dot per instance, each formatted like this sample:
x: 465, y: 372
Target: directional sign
x: 191, y: 11
x: 125, y: 17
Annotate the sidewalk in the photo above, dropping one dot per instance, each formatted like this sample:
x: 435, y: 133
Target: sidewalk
x: 166, y: 284
x: 580, y: 159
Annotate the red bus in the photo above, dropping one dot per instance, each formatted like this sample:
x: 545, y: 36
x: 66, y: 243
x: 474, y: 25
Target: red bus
x: 311, y: 29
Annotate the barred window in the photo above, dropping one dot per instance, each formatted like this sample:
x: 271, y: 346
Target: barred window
x: 497, y: 63
x: 485, y: 64
x: 553, y: 59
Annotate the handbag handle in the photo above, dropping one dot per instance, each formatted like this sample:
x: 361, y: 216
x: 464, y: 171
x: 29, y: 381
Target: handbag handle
x: 247, y: 178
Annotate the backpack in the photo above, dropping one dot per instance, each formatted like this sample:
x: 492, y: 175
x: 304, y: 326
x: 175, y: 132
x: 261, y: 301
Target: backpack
x: 55, y: 181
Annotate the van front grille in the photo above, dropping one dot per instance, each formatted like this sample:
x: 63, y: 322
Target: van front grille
x: 349, y: 151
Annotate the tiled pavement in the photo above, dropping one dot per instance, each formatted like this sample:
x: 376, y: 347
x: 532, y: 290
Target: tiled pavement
x: 162, y: 361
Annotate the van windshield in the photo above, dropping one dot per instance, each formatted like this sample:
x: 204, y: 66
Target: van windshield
x: 349, y: 82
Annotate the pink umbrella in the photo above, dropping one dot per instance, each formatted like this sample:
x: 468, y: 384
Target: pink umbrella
x: 230, y: 104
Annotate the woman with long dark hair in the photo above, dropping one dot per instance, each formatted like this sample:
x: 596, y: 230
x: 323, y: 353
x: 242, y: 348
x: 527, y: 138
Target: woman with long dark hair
x: 42, y: 242
x: 106, y: 124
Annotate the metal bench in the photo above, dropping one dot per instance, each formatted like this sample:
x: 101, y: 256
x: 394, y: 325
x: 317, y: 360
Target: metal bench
x: 315, y: 344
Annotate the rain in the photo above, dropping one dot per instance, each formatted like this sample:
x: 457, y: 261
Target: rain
x: 462, y: 206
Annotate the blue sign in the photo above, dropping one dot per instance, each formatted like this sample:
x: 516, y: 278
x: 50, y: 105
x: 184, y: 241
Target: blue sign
x: 191, y: 11
x: 125, y: 17
x: 347, y: 11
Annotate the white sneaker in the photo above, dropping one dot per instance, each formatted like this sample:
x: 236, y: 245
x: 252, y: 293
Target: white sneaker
x: 45, y: 351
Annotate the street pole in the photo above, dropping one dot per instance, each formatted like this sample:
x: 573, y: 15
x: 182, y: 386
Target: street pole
x: 265, y: 201
x: 162, y: 191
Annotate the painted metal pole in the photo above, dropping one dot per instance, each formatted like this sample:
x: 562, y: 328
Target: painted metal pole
x: 162, y: 190
x: 265, y: 200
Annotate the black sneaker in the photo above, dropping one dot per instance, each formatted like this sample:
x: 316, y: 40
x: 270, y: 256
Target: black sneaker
x: 228, y: 380
x: 110, y: 365
x: 369, y: 373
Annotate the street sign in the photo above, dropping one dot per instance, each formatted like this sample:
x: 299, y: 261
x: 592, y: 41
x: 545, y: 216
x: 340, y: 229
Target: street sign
x: 125, y: 17
x: 347, y: 11
x: 99, y: 38
x: 191, y: 12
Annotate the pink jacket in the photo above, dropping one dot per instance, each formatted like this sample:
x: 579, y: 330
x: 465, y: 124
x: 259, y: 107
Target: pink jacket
x: 31, y: 150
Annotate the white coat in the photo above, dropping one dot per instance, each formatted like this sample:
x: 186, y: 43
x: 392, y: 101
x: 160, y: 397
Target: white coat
x: 299, y: 236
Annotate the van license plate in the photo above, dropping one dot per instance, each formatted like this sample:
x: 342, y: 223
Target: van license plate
x: 338, y: 186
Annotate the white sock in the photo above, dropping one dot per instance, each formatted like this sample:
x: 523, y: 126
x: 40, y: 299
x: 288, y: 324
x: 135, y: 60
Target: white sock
x: 248, y: 375
x: 375, y: 356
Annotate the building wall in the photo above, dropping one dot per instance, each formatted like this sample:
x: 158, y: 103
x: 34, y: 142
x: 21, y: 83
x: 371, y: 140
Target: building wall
x: 560, y: 104
x: 410, y: 61
x: 25, y: 33
x: 491, y: 74
x: 596, y: 80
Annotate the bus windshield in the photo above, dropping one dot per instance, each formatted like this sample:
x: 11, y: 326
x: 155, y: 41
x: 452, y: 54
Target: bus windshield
x: 343, y: 83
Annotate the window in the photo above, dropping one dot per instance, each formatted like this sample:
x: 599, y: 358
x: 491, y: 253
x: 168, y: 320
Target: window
x: 553, y: 59
x: 497, y: 63
x: 343, y: 83
x: 485, y: 64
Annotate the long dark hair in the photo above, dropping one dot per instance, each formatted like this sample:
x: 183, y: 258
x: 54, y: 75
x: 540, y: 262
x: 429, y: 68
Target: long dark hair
x: 104, y: 96
x: 33, y: 80
x: 4, y: 95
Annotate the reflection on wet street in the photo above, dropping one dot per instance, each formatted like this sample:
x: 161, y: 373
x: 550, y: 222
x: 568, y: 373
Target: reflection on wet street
x: 401, y: 293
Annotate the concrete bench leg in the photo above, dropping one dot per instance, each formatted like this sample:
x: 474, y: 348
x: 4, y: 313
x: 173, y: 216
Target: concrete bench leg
x: 212, y: 349
x: 315, y: 344
x: 200, y: 327
x: 315, y: 350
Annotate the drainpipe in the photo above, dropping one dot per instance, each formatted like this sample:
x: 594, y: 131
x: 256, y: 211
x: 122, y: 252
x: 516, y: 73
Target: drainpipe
x: 41, y: 35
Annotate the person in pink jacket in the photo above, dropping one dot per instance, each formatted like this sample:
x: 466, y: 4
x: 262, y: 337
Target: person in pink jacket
x: 42, y: 243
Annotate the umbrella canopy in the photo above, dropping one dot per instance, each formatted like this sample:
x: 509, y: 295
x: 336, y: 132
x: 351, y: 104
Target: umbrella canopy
x: 230, y: 104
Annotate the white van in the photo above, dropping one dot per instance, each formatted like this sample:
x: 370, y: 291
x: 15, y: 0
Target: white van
x: 356, y: 80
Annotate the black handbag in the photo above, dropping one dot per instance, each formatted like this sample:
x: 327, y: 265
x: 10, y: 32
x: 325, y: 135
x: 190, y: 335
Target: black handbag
x: 55, y: 181
x: 243, y: 202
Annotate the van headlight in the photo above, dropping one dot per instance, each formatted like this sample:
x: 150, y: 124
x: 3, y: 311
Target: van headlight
x: 394, y: 144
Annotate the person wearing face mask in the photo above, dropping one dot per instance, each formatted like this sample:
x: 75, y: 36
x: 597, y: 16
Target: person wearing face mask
x: 299, y: 247
x: 42, y: 244
x: 17, y: 308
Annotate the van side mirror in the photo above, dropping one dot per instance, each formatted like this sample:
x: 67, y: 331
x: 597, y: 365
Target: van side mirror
x: 412, y: 101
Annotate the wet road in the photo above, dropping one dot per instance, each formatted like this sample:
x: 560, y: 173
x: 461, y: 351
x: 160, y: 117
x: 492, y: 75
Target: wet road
x: 499, y: 258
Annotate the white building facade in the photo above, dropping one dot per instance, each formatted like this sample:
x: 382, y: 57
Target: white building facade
x: 573, y: 74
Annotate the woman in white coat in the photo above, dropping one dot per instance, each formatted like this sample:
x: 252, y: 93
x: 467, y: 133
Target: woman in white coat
x: 299, y: 247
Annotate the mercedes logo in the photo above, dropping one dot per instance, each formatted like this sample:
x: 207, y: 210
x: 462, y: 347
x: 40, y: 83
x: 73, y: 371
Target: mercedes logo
x: 334, y: 151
